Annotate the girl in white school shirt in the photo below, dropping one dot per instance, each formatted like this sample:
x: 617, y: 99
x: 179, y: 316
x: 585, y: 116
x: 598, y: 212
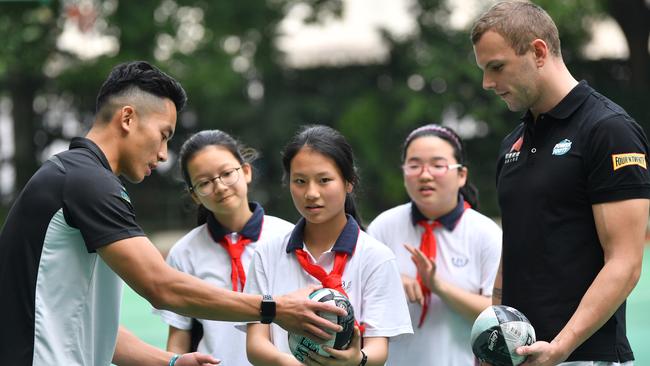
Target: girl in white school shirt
x: 459, y: 250
x: 319, y: 166
x: 216, y: 169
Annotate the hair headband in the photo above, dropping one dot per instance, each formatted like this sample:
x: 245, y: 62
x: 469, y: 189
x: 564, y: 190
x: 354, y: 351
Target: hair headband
x: 437, y: 129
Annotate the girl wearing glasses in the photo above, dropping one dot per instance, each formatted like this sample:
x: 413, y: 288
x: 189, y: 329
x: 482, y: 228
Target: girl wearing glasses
x: 448, y: 279
x: 216, y: 169
x: 328, y: 247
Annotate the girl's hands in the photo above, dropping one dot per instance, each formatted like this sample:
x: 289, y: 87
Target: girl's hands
x: 348, y: 357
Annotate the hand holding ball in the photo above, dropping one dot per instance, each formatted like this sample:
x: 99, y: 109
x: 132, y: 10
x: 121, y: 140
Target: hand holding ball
x: 496, y: 334
x: 300, y: 345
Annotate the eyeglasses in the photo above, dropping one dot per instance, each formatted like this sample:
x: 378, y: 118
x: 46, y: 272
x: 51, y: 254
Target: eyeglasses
x: 438, y: 168
x: 206, y: 187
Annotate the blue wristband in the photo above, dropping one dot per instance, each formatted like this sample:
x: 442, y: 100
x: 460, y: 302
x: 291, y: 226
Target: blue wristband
x: 172, y: 361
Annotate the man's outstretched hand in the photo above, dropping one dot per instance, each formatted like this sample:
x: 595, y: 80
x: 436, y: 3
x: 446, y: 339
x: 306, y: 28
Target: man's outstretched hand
x: 296, y: 313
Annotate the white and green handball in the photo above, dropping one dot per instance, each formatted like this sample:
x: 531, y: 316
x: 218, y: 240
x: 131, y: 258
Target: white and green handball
x: 496, y: 334
x: 300, y: 345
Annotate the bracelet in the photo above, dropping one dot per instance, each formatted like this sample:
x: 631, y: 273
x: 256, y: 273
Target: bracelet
x: 175, y: 357
x: 364, y: 358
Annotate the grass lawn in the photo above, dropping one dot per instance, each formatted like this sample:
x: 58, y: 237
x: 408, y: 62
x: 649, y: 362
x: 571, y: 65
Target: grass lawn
x: 137, y: 317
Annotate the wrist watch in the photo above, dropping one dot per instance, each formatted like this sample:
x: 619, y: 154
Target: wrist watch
x: 364, y: 358
x: 267, y: 309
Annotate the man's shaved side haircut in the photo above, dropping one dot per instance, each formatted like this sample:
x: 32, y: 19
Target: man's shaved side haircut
x: 137, y: 83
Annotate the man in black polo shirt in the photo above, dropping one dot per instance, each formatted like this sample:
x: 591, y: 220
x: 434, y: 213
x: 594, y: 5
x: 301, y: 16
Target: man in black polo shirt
x: 71, y: 235
x: 573, y: 187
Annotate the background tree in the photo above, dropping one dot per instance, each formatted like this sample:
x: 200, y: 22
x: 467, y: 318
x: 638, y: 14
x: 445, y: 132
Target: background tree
x: 634, y: 19
x: 29, y: 35
x: 226, y: 56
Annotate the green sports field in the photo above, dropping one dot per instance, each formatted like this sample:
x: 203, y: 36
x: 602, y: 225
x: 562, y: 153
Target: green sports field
x: 136, y: 315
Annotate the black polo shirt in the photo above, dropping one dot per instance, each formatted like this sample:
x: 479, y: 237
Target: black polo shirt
x: 585, y: 151
x: 60, y: 299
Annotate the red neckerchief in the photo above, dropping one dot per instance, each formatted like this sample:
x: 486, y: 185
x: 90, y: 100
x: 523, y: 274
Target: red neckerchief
x: 328, y: 280
x: 235, y: 250
x: 428, y: 248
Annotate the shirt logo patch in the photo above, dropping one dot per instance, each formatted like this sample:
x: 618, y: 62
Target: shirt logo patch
x: 562, y: 147
x: 621, y: 160
x: 346, y: 285
x: 125, y: 196
x: 513, y: 155
x: 459, y: 261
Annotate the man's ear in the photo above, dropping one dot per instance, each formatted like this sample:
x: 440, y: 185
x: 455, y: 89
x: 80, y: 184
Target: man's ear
x: 126, y: 117
x: 540, y: 50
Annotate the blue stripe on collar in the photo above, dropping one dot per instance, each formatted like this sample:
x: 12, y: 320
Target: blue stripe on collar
x: 252, y: 229
x: 448, y: 220
x: 346, y: 242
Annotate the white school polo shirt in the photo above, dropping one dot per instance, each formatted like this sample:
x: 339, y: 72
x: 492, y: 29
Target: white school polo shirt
x: 468, y: 253
x: 198, y: 254
x: 371, y: 279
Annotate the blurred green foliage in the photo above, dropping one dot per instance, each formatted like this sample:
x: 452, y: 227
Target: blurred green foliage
x: 225, y: 55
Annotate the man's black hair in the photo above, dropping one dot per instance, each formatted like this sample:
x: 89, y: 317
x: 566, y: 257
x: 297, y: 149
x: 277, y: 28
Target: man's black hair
x: 144, y: 76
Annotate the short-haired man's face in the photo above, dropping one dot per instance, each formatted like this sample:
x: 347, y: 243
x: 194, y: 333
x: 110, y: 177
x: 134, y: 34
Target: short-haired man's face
x: 147, y: 139
x: 512, y: 77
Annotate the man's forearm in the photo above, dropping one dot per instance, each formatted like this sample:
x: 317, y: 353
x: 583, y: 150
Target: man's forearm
x: 621, y: 227
x: 607, y: 292
x: 142, y: 267
x: 190, y: 296
x: 496, y: 295
x: 497, y: 291
x: 130, y: 350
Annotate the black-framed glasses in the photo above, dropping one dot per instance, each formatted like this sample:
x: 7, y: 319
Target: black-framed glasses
x: 205, y: 187
x: 437, y: 168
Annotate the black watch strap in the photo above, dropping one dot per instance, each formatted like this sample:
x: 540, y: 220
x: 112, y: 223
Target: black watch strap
x: 364, y: 358
x: 267, y: 309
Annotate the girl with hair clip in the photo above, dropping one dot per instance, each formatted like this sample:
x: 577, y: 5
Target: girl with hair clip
x: 216, y: 170
x: 448, y: 280
x: 327, y: 247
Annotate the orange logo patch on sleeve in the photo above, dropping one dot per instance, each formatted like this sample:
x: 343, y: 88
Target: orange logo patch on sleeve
x: 621, y: 160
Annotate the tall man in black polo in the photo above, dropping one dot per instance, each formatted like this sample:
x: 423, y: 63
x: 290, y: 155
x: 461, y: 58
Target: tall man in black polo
x: 573, y: 187
x: 72, y: 234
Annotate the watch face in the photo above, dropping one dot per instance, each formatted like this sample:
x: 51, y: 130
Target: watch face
x: 267, y: 309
